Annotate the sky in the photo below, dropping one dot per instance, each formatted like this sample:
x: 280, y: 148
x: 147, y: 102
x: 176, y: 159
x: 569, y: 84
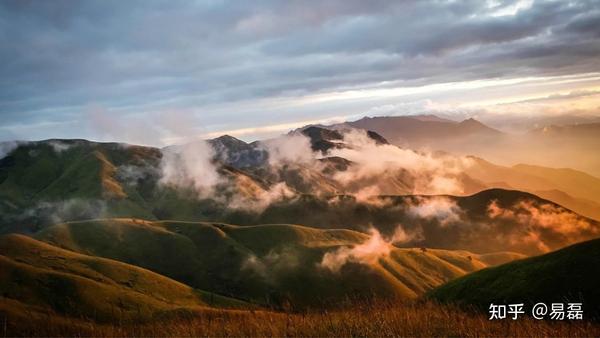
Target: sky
x: 159, y: 72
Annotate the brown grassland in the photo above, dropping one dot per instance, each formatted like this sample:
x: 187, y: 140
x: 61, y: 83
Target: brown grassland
x: 361, y: 319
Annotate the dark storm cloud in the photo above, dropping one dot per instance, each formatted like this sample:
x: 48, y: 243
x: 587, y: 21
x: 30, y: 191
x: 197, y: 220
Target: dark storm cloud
x: 61, y: 57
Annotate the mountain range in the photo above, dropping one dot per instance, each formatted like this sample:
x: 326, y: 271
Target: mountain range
x: 559, y: 146
x: 306, y: 220
x: 85, y: 180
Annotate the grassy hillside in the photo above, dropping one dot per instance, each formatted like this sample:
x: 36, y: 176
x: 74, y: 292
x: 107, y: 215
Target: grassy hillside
x: 519, y: 221
x: 36, y: 274
x: 56, y: 181
x: 567, y: 275
x: 275, y: 265
x: 381, y: 319
x: 46, y: 182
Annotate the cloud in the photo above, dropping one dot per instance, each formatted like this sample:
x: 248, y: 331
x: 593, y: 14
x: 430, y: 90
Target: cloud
x: 260, y: 199
x: 544, y: 215
x: 544, y: 222
x: 195, y: 166
x: 131, y: 174
x: 368, y: 252
x: 387, y: 169
x: 269, y: 266
x: 403, y: 108
x: 59, y: 146
x: 190, y: 166
x: 136, y: 58
x: 56, y: 212
x: 7, y: 147
x: 291, y: 148
x: 151, y: 128
x: 440, y: 208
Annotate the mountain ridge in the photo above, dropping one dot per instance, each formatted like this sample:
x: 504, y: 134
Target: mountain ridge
x: 561, y: 276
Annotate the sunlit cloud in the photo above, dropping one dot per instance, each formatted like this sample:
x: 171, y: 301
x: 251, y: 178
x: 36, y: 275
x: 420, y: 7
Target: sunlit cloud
x: 254, y: 70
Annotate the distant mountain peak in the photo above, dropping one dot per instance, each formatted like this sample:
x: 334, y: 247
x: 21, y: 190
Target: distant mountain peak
x: 376, y: 137
x: 430, y: 118
x: 473, y: 125
x: 471, y: 120
x: 319, y: 133
x: 228, y: 139
x: 323, y: 139
x: 421, y: 118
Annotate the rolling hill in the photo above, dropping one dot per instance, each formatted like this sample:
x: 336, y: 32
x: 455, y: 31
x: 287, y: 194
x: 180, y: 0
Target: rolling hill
x: 491, y: 220
x: 563, y: 276
x: 44, y: 277
x: 49, y: 182
x: 270, y: 265
x: 109, y: 238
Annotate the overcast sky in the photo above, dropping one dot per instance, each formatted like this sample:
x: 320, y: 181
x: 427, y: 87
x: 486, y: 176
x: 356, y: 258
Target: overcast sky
x: 152, y: 71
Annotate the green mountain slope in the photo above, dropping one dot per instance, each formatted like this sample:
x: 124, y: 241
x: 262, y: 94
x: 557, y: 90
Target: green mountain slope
x: 55, y: 181
x: 268, y: 264
x: 43, y: 276
x: 567, y: 275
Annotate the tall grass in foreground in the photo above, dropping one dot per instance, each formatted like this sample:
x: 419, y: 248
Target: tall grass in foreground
x: 381, y: 319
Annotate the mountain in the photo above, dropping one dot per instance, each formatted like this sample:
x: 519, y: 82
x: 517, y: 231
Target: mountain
x: 314, y: 219
x: 571, y: 181
x: 324, y: 139
x: 41, y: 276
x: 268, y: 264
x: 581, y: 206
x: 550, y: 146
x: 573, y: 189
x: 238, y: 153
x: 50, y: 182
x: 426, y: 131
x: 73, y: 176
x: 564, y: 276
x: 491, y: 220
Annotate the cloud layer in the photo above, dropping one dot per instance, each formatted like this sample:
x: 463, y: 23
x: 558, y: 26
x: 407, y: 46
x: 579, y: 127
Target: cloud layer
x: 64, y: 59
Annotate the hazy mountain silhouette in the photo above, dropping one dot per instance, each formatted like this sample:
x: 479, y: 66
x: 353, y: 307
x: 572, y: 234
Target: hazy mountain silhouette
x: 569, y: 145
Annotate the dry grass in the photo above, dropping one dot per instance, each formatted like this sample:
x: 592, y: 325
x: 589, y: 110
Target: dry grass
x: 382, y: 319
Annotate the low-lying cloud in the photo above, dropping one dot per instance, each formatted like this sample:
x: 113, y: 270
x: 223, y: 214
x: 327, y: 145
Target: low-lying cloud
x: 543, y: 224
x: 375, y: 247
x: 7, y: 147
x: 46, y: 213
x: 190, y: 166
x: 292, y: 148
x: 269, y: 266
x: 443, y: 209
x: 195, y: 166
x: 59, y: 146
x: 389, y: 169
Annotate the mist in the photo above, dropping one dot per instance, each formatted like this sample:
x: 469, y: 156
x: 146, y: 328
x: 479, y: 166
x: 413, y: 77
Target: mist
x: 370, y: 251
